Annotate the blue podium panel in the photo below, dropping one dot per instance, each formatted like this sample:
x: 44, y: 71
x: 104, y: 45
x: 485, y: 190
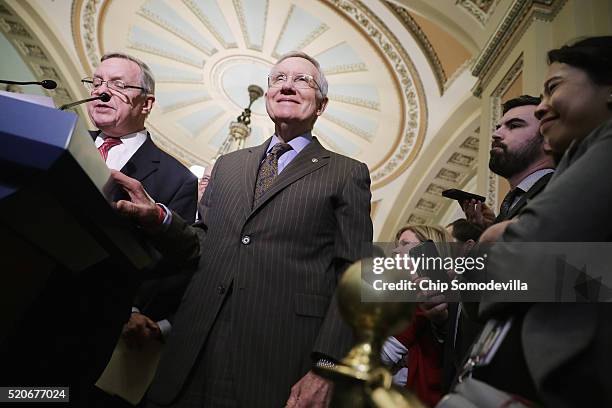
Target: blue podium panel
x: 33, y: 136
x: 70, y: 264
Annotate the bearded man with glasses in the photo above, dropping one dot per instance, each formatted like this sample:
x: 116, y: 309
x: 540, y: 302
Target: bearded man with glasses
x: 125, y: 145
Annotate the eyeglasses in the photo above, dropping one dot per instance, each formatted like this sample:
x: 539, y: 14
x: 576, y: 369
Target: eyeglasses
x: 301, y: 81
x: 116, y: 84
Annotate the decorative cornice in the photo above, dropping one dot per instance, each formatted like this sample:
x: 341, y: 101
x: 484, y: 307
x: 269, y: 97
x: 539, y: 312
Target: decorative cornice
x: 481, y: 10
x: 90, y: 12
x: 516, y: 21
x: 507, y: 81
x: 459, y: 167
x: 421, y: 39
x: 462, y: 68
x: 33, y: 53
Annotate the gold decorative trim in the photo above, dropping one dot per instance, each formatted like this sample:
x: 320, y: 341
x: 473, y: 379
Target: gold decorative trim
x: 101, y: 20
x: 414, y: 108
x: 243, y: 25
x: 471, y: 143
x: 352, y: 100
x: 89, y: 25
x: 75, y: 18
x: 492, y: 187
x: 423, y: 42
x: 320, y: 29
x: 159, y: 21
x: 415, y: 219
x: 462, y: 68
x: 516, y: 21
x: 463, y: 160
x: 481, y: 10
x: 313, y: 35
x: 33, y: 53
x: 202, y: 17
x: 161, y: 53
x: 343, y: 69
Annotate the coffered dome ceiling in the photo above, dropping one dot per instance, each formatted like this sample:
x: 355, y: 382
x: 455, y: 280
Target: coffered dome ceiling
x: 399, y: 72
x: 205, y: 53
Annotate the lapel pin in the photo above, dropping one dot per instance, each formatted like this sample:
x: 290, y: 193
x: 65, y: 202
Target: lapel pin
x: 315, y: 160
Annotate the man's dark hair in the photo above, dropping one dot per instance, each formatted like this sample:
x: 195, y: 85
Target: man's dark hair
x: 593, y: 55
x: 522, y: 100
x: 463, y: 230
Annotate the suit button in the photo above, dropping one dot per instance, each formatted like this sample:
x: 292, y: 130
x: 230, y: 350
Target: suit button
x: 221, y: 289
x: 246, y: 240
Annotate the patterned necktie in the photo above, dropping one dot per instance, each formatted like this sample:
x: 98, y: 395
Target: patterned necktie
x: 268, y: 170
x: 507, y: 203
x: 109, y: 143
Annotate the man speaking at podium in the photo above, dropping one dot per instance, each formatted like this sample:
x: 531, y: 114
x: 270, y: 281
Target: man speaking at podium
x: 125, y: 144
x: 280, y: 223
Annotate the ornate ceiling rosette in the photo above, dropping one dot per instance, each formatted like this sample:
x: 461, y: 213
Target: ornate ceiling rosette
x: 205, y: 53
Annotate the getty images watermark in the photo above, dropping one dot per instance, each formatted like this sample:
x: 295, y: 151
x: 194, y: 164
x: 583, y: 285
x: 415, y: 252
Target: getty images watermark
x: 504, y: 272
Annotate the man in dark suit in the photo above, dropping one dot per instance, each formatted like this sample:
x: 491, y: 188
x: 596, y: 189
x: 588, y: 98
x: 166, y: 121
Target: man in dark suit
x: 125, y: 145
x: 521, y: 155
x: 280, y: 223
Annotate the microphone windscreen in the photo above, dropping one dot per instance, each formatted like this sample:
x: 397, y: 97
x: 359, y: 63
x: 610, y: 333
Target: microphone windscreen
x: 48, y: 84
x: 104, y: 97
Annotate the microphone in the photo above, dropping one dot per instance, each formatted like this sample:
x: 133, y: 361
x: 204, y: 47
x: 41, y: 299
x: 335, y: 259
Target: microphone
x: 45, y: 83
x: 104, y: 97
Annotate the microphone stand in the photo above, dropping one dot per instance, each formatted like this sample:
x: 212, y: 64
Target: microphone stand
x: 104, y: 97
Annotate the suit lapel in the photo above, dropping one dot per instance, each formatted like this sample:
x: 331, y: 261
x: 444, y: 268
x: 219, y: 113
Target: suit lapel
x: 534, y: 190
x: 144, y: 162
x: 312, y: 158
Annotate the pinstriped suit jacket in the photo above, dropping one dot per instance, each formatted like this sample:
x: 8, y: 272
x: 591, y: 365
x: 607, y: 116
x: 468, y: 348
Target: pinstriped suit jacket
x: 305, y: 230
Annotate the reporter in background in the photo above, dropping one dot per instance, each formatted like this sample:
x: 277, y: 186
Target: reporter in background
x: 519, y: 154
x: 422, y: 339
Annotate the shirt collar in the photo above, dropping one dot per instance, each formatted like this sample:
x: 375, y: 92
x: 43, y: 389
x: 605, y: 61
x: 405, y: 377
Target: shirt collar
x: 131, y: 138
x: 533, y: 178
x: 298, y: 143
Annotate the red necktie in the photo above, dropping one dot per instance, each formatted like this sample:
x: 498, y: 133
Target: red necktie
x: 109, y: 142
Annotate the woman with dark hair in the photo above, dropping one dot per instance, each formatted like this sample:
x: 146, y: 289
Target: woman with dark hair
x: 564, y: 347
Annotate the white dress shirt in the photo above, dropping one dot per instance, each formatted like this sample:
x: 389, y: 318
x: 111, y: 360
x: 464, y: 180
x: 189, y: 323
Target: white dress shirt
x: 119, y: 155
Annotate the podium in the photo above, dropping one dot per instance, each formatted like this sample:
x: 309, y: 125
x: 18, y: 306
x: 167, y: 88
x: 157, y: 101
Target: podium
x: 69, y: 263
